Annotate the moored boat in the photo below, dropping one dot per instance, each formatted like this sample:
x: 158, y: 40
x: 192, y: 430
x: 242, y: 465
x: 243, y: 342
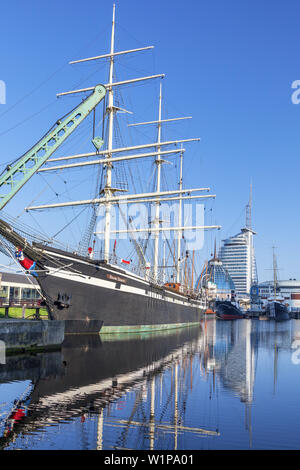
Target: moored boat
x: 210, y: 311
x: 227, y: 310
x: 277, y: 310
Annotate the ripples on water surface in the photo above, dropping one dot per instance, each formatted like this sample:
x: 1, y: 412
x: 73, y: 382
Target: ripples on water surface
x: 224, y: 385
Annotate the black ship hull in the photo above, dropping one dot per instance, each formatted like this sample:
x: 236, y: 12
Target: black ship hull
x: 228, y: 311
x: 91, y: 295
x: 277, y: 311
x: 77, y: 288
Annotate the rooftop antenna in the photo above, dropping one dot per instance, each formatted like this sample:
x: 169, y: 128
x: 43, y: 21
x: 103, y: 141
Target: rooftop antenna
x: 215, y: 249
x: 249, y: 210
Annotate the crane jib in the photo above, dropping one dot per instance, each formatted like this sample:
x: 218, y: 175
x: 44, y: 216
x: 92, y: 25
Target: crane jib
x: 20, y: 172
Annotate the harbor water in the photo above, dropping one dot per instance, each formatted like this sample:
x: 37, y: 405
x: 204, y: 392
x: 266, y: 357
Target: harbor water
x: 220, y: 385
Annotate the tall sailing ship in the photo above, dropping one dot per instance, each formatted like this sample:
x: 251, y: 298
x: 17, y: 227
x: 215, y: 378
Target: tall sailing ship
x: 276, y: 308
x: 84, y: 284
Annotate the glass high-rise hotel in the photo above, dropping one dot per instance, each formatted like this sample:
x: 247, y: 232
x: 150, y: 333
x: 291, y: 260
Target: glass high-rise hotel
x: 237, y: 256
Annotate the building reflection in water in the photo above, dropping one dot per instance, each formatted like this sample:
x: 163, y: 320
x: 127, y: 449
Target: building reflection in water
x: 139, y: 392
x: 231, y: 351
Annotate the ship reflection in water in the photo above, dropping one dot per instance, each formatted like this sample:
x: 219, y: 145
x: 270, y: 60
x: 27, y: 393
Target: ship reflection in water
x: 224, y: 385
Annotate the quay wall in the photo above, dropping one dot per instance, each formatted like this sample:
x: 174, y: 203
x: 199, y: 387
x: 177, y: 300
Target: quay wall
x: 27, y: 334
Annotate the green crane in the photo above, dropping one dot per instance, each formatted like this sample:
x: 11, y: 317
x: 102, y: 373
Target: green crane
x: 16, y: 175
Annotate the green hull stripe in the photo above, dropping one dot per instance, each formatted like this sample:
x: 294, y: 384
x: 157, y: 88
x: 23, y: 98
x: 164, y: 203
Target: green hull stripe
x: 143, y: 328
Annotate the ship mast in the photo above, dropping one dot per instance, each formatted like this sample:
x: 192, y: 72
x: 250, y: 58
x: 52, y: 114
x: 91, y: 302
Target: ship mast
x: 158, y: 162
x: 274, y: 272
x: 110, y: 110
x: 178, y: 260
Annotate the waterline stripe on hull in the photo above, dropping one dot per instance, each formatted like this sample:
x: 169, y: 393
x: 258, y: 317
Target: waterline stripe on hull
x: 144, y: 328
x: 165, y: 333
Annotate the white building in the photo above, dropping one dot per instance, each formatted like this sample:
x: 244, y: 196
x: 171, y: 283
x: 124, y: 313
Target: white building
x: 238, y: 258
x: 289, y: 290
x: 18, y: 288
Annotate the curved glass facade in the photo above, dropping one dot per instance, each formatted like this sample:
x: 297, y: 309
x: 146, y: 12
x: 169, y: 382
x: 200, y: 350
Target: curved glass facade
x: 215, y: 273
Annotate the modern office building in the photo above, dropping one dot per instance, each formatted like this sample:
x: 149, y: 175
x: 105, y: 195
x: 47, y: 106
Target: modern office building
x: 238, y: 257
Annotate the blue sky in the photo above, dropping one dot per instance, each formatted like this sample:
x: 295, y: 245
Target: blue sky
x: 229, y: 64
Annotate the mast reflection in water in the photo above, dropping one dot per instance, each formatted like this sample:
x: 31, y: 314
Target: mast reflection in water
x: 225, y: 385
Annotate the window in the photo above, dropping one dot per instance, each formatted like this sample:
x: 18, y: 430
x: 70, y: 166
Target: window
x: 4, y: 291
